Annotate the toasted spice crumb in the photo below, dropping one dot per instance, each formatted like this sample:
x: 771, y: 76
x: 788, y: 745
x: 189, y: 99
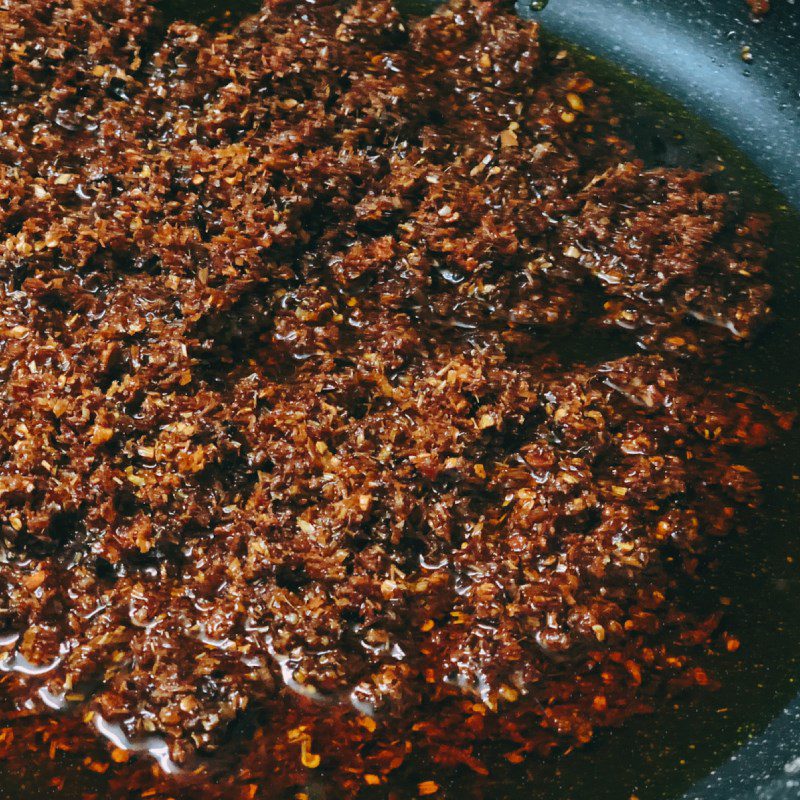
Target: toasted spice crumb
x: 759, y: 8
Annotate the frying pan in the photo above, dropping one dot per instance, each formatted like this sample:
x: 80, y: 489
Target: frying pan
x: 677, y: 68
x: 692, y: 50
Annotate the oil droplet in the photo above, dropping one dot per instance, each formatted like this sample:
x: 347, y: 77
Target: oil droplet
x: 57, y: 702
x: 16, y: 662
x: 154, y: 746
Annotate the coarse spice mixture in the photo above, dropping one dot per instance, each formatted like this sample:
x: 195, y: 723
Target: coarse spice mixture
x: 288, y: 453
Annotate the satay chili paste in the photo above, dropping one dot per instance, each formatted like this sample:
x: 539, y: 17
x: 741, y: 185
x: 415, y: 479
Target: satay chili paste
x: 286, y: 437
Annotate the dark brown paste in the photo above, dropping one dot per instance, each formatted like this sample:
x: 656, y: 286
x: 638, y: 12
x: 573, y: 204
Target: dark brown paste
x: 291, y: 441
